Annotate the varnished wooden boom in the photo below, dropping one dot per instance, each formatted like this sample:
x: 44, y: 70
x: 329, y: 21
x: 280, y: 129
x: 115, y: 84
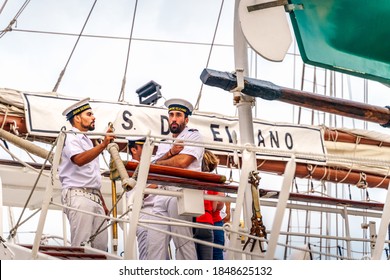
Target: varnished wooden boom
x: 270, y: 91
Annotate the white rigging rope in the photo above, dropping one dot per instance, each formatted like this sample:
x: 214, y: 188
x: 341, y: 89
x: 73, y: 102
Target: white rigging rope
x: 122, y: 93
x: 18, y: 224
x: 123, y: 38
x: 74, y: 48
x: 2, y: 7
x: 196, y: 107
x: 14, y: 20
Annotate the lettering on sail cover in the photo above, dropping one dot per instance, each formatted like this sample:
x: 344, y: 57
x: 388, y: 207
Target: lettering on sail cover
x: 128, y: 123
x: 164, y: 125
x: 268, y: 137
x: 215, y: 130
x: 275, y: 140
x: 141, y: 120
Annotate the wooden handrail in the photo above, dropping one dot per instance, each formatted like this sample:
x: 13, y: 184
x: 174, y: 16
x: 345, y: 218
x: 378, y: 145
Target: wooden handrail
x: 180, y: 172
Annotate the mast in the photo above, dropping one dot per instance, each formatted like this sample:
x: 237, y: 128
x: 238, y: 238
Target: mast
x: 244, y: 107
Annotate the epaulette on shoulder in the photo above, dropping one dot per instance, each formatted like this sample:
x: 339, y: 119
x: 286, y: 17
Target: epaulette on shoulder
x: 192, y: 130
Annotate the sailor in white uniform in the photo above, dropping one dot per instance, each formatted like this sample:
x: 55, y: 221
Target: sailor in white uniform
x: 189, y: 157
x: 79, y: 173
x: 135, y: 146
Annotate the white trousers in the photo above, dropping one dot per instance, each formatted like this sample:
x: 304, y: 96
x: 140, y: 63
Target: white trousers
x: 142, y: 235
x: 83, y: 226
x: 158, y: 242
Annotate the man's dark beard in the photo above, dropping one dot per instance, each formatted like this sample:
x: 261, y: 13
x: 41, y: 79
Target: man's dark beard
x: 89, y: 127
x: 178, y: 129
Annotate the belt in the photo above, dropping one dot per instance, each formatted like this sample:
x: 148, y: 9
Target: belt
x: 92, y: 194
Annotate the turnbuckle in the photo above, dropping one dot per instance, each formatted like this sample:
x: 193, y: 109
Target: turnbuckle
x: 254, y: 178
x: 258, y: 229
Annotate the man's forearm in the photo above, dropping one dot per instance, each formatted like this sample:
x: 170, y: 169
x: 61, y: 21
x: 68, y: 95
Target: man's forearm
x: 180, y: 161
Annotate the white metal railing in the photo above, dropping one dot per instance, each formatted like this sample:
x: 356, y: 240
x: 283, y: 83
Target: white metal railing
x: 141, y: 183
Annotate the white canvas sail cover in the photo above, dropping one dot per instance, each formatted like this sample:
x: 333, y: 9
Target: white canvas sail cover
x: 43, y: 118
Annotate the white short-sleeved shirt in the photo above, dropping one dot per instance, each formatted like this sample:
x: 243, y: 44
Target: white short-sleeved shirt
x: 197, y: 152
x: 71, y: 175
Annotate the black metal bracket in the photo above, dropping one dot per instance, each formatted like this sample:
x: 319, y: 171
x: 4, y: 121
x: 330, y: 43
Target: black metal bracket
x: 287, y: 7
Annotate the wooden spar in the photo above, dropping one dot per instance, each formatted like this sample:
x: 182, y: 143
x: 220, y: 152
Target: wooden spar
x: 231, y: 188
x: 180, y: 172
x: 13, y: 123
x: 270, y: 91
x: 18, y: 123
x: 324, y: 200
x: 318, y: 172
x: 333, y: 135
x: 154, y: 178
x: 178, y: 177
x: 17, y: 126
x: 264, y: 193
x: 332, y: 174
x: 272, y: 194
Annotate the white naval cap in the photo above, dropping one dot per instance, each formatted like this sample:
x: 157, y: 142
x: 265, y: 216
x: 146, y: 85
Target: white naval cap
x: 132, y: 140
x: 76, y: 108
x: 177, y: 104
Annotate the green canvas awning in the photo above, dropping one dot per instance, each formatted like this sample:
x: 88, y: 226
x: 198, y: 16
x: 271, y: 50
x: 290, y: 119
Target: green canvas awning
x: 350, y: 36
